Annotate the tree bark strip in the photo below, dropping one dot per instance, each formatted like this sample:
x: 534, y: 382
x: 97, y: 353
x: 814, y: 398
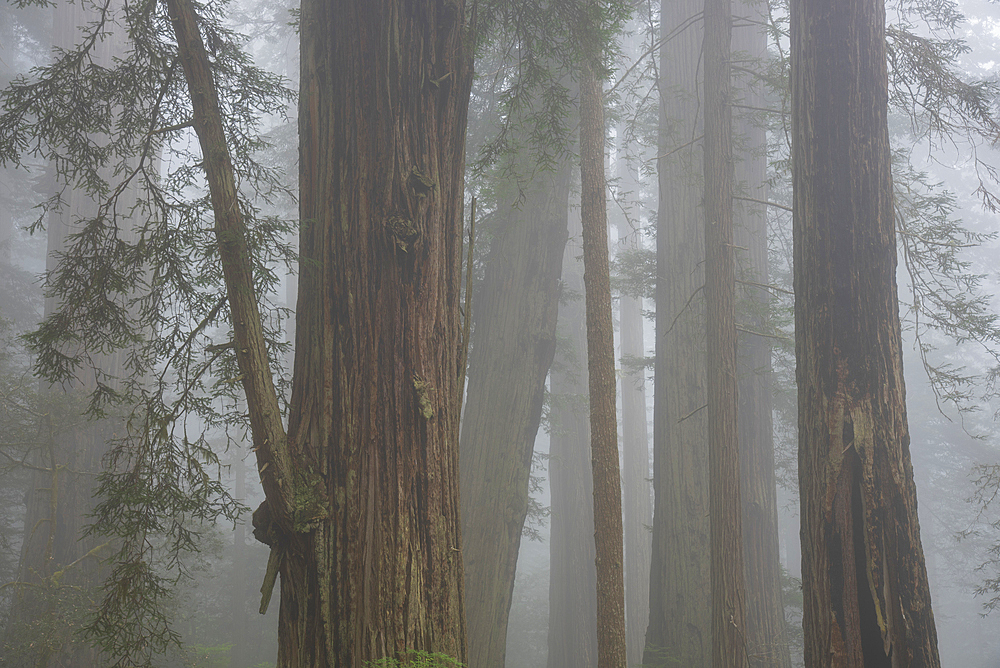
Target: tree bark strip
x: 362, y: 502
x: 728, y: 590
x: 865, y: 591
x: 601, y: 372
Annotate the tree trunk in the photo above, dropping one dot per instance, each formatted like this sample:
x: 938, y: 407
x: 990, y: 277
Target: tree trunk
x: 636, y: 497
x: 728, y: 590
x: 572, y: 571
x: 679, y: 623
x: 866, y: 598
x: 515, y: 340
x: 767, y: 640
x: 373, y: 420
x: 601, y: 372
x: 361, y: 509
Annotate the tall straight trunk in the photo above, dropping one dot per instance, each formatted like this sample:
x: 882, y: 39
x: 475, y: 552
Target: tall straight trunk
x: 514, y: 343
x: 601, y: 373
x: 728, y: 589
x: 572, y: 572
x: 865, y: 594
x: 373, y: 423
x: 767, y: 640
x: 361, y: 494
x: 679, y: 621
x: 636, y: 497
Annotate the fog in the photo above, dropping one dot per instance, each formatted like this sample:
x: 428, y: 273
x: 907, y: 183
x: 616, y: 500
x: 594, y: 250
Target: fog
x: 128, y: 447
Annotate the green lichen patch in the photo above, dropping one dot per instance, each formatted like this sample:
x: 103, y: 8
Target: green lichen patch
x: 424, y: 393
x: 310, y: 502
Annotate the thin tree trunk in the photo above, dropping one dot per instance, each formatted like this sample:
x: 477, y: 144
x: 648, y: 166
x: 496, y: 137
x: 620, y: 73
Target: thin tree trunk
x: 601, y: 367
x: 572, y: 639
x: 866, y: 600
x: 767, y: 640
x: 679, y: 621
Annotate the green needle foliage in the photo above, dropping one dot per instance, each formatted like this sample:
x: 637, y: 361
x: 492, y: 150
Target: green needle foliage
x: 141, y: 278
x: 418, y: 659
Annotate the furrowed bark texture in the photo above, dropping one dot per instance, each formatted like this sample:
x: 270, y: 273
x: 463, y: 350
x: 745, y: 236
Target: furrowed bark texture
x: 362, y: 500
x: 382, y: 116
x: 679, y: 621
x: 573, y: 579
x: 767, y: 639
x: 601, y: 372
x: 866, y: 598
x: 728, y: 590
x: 515, y: 341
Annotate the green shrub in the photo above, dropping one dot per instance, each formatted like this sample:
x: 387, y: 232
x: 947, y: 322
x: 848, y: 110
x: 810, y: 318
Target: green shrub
x: 413, y: 658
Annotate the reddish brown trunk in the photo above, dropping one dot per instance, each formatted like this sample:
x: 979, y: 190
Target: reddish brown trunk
x: 728, y: 593
x: 362, y: 499
x: 384, y: 92
x: 865, y: 595
x: 601, y: 372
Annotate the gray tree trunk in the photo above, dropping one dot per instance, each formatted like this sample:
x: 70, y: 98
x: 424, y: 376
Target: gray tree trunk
x: 679, y: 621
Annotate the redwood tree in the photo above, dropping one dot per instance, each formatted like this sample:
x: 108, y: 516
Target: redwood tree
x: 679, y: 571
x: 728, y: 589
x: 767, y: 638
x: 601, y: 373
x: 361, y: 509
x: 515, y: 340
x: 865, y: 594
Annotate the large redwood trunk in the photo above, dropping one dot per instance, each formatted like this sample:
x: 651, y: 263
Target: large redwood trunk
x: 865, y: 594
x: 372, y: 564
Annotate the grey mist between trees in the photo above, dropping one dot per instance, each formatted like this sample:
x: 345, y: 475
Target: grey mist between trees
x: 496, y: 333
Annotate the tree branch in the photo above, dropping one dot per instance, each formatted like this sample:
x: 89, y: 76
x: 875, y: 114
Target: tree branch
x: 268, y: 433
